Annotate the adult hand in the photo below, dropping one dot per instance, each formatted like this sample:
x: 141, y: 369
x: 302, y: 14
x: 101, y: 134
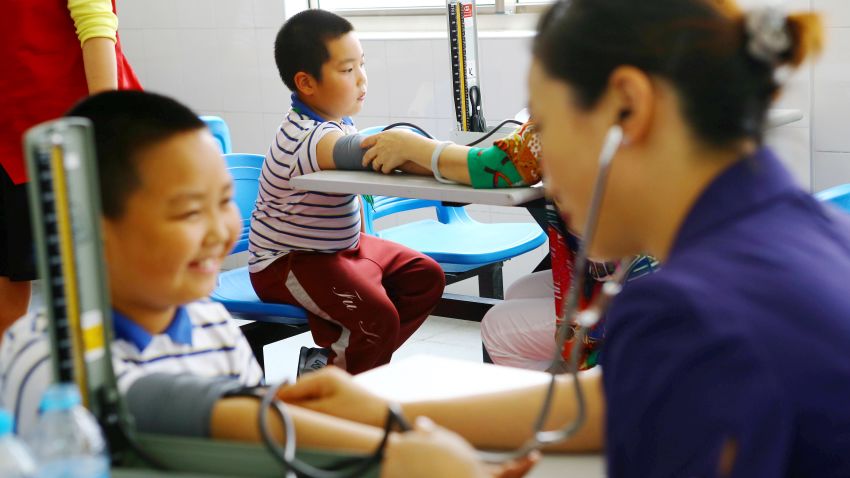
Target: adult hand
x: 389, y: 150
x: 333, y: 392
x: 430, y: 451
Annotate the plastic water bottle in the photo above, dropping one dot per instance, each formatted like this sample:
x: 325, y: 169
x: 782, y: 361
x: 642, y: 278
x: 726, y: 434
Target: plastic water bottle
x: 16, y: 461
x: 67, y: 441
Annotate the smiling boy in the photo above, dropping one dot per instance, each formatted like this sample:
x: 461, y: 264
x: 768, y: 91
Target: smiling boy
x: 364, y: 296
x: 168, y: 222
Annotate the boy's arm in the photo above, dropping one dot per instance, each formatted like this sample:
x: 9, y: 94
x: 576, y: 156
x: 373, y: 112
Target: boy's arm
x: 410, y: 152
x: 452, y: 159
x: 495, y: 420
x: 238, y: 419
x: 325, y: 150
x: 191, y: 405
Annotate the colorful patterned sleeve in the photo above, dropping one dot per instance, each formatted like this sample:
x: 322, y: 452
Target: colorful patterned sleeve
x: 513, y: 161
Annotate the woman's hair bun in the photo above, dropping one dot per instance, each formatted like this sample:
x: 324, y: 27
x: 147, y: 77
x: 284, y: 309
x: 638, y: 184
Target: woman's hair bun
x: 776, y: 38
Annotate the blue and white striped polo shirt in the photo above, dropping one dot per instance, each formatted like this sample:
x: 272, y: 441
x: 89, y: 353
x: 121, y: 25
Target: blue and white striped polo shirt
x: 287, y: 219
x: 202, y: 340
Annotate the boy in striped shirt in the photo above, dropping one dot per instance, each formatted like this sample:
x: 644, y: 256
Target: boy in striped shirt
x: 365, y: 296
x: 168, y: 222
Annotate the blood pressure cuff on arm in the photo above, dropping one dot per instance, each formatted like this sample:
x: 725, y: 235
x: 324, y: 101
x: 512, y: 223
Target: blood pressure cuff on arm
x: 348, y: 155
x: 491, y: 168
x: 171, y: 404
x: 511, y: 162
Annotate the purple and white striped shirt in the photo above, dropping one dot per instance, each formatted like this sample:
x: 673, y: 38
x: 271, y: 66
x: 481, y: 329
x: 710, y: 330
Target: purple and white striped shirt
x: 287, y: 219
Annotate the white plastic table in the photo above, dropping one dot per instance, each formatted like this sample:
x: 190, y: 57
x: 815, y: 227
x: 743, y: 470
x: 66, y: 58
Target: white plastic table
x: 411, y: 186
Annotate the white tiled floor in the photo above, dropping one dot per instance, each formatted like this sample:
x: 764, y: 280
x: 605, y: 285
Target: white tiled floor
x: 451, y: 338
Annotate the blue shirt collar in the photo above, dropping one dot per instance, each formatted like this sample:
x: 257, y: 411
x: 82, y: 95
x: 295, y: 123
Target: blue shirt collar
x: 748, y: 183
x: 302, y: 107
x: 179, y: 330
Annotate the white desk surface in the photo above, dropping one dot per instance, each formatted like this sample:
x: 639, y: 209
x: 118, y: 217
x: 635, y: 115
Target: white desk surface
x: 411, y: 186
x: 424, y: 377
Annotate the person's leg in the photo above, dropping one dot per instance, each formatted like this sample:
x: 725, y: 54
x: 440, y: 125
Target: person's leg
x: 17, y: 262
x: 349, y: 311
x: 413, y: 281
x: 521, y: 333
x: 537, y: 285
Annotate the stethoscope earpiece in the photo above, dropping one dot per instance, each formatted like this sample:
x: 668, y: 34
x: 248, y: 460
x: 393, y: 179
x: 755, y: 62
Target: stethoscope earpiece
x: 613, y: 141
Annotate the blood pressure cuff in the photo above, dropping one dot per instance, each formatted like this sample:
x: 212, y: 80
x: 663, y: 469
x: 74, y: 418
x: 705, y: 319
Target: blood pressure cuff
x: 511, y: 162
x: 348, y: 155
x: 172, y: 404
x: 491, y: 168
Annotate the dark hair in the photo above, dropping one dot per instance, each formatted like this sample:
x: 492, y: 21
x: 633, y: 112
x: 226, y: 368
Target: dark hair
x: 125, y: 124
x: 301, y: 43
x: 699, y: 46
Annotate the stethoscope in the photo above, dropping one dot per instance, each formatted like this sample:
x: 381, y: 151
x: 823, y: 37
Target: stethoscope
x: 541, y: 437
x: 584, y: 320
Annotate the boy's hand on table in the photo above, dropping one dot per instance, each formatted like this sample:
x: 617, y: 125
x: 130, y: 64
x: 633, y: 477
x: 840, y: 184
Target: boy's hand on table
x: 389, y: 150
x: 431, y: 450
x: 333, y: 392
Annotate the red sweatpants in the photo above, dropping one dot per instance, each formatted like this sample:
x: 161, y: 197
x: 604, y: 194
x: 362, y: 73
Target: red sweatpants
x: 362, y: 303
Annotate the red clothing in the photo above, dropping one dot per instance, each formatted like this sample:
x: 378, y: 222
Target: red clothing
x: 362, y: 303
x: 43, y: 73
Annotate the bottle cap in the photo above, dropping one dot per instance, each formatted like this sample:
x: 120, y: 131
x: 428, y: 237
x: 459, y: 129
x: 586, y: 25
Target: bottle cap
x: 7, y: 423
x: 60, y: 396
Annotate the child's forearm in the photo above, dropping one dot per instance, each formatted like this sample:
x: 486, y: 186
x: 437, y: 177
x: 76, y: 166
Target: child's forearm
x: 100, y: 64
x: 413, y: 168
x: 452, y: 161
x: 237, y: 419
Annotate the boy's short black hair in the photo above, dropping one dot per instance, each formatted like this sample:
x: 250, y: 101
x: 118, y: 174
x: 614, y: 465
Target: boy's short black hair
x: 301, y: 43
x: 125, y: 124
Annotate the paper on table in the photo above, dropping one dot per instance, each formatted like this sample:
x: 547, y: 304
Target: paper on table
x: 426, y: 377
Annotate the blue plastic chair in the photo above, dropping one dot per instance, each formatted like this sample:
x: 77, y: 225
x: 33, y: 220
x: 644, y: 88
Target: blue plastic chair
x: 461, y: 245
x: 272, y: 322
x: 838, y: 196
x: 234, y: 289
x: 220, y: 132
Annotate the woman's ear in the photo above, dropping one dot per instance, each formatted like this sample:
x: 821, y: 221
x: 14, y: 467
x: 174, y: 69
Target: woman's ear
x: 305, y: 83
x: 633, y: 93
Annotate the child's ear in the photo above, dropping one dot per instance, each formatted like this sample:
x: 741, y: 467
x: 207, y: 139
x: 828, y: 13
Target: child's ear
x: 305, y: 83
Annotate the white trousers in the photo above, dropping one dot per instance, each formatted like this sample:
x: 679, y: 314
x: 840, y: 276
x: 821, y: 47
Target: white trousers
x: 520, y: 331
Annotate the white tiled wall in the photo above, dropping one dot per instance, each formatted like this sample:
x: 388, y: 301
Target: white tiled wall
x: 831, y: 99
x: 216, y: 55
